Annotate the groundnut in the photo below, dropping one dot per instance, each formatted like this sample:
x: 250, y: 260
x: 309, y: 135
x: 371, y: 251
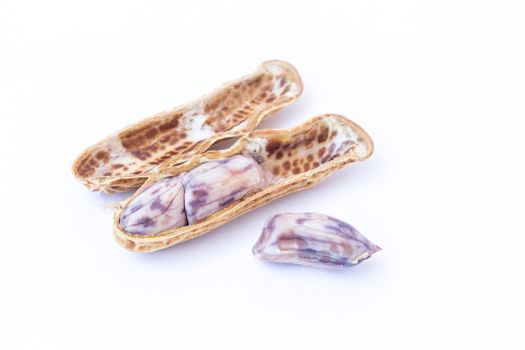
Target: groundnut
x: 215, y: 184
x: 158, y: 208
x: 260, y: 167
x: 312, y: 239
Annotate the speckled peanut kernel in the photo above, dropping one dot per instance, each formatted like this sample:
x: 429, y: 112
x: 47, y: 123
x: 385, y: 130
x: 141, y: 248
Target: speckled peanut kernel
x: 214, y: 185
x: 312, y: 239
x: 158, y: 208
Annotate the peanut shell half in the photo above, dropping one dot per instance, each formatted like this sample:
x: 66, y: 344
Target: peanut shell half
x: 125, y: 160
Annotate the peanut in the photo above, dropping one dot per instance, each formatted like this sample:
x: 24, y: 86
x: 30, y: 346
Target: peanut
x: 312, y: 239
x: 158, y: 208
x: 214, y: 185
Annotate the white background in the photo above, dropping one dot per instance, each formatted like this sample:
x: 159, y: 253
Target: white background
x: 440, y: 87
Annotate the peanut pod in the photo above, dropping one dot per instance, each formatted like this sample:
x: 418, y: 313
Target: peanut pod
x: 126, y: 159
x: 291, y: 159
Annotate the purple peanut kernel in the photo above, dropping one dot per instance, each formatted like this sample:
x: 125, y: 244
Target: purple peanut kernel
x: 312, y: 239
x: 158, y: 208
x: 217, y: 184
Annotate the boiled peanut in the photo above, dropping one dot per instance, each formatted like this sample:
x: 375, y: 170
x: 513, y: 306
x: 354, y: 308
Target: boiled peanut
x: 312, y: 239
x: 158, y: 208
x: 214, y: 185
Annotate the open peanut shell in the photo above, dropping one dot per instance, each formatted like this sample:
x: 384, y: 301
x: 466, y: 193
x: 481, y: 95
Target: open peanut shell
x: 292, y: 159
x: 126, y: 159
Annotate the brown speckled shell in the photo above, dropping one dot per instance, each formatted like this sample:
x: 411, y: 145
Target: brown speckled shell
x: 126, y: 159
x: 296, y: 159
